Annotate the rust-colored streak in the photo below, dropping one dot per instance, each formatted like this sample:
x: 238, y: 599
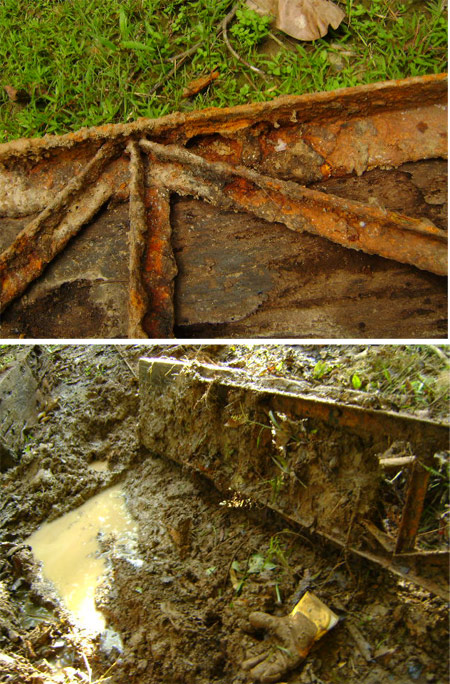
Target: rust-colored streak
x: 159, y: 269
x: 348, y: 223
x: 413, y: 507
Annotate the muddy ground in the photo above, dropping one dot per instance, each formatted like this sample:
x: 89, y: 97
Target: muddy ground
x: 183, y: 615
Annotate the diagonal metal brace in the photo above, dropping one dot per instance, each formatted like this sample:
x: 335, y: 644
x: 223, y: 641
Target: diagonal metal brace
x: 348, y: 223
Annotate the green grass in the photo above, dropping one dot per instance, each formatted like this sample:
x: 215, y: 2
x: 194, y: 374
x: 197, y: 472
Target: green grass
x: 91, y: 62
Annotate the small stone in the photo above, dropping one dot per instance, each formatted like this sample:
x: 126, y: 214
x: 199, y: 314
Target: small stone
x: 137, y: 638
x: 142, y: 665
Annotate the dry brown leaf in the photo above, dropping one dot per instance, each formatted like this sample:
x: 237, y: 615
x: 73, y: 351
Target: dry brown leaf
x: 16, y: 95
x: 301, y: 19
x: 199, y: 84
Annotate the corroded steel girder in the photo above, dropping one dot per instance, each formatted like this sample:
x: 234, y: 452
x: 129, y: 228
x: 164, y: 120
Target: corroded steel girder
x: 152, y: 266
x: 350, y: 224
x: 48, y: 234
x: 257, y: 159
x: 245, y: 433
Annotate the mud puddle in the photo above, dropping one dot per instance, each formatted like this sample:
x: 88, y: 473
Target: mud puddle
x: 71, y: 556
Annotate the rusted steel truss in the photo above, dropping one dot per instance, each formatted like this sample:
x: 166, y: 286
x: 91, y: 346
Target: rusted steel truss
x: 243, y: 433
x: 258, y: 159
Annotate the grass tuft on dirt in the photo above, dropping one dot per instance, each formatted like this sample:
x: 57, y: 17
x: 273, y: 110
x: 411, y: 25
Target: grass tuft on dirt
x: 76, y: 63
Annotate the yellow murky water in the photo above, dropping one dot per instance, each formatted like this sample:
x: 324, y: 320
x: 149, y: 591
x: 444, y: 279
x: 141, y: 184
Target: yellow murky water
x: 99, y: 466
x: 69, y: 551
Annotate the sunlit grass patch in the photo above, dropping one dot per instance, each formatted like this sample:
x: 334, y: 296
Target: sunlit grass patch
x: 91, y: 62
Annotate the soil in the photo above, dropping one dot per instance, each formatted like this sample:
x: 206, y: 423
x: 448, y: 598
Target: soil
x: 207, y: 560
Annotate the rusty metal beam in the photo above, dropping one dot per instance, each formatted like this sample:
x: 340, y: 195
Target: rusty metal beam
x: 152, y: 264
x: 413, y: 507
x: 399, y: 568
x: 159, y: 267
x: 358, y: 101
x: 348, y: 223
x: 386, y: 425
x: 47, y: 235
x: 308, y: 152
x: 137, y: 298
x: 321, y: 135
x: 220, y: 456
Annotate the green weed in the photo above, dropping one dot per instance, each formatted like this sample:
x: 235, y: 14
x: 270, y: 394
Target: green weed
x: 92, y: 62
x: 320, y: 369
x: 272, y: 560
x: 250, y: 28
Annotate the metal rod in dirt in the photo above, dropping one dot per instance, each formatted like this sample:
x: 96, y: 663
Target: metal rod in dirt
x: 413, y: 507
x: 349, y: 223
x: 152, y: 264
x: 137, y: 300
x: 47, y: 235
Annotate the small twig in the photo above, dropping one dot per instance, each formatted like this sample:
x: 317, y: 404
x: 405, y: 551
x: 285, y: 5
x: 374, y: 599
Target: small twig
x: 178, y: 60
x: 118, y: 350
x: 224, y: 541
x: 352, y: 518
x: 225, y: 23
x: 442, y: 355
x: 186, y: 53
x: 88, y: 667
x: 335, y: 567
x: 168, y: 76
x: 275, y: 39
x: 363, y: 645
x: 233, y: 557
x: 104, y: 677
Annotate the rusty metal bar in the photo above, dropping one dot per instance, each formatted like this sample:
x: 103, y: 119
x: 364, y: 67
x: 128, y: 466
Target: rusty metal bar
x: 138, y: 299
x: 152, y: 264
x: 369, y: 421
x: 159, y: 268
x: 308, y: 152
x: 413, y: 507
x: 397, y: 567
x: 349, y: 223
x: 42, y: 239
x: 358, y: 101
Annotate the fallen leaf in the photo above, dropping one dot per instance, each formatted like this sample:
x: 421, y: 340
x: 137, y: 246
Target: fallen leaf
x: 199, y: 84
x: 301, y: 19
x: 17, y: 95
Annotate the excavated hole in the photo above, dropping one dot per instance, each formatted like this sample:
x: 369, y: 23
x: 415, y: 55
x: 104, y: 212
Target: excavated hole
x: 168, y: 596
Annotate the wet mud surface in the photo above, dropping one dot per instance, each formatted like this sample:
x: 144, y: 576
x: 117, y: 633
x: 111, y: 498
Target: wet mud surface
x: 206, y: 559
